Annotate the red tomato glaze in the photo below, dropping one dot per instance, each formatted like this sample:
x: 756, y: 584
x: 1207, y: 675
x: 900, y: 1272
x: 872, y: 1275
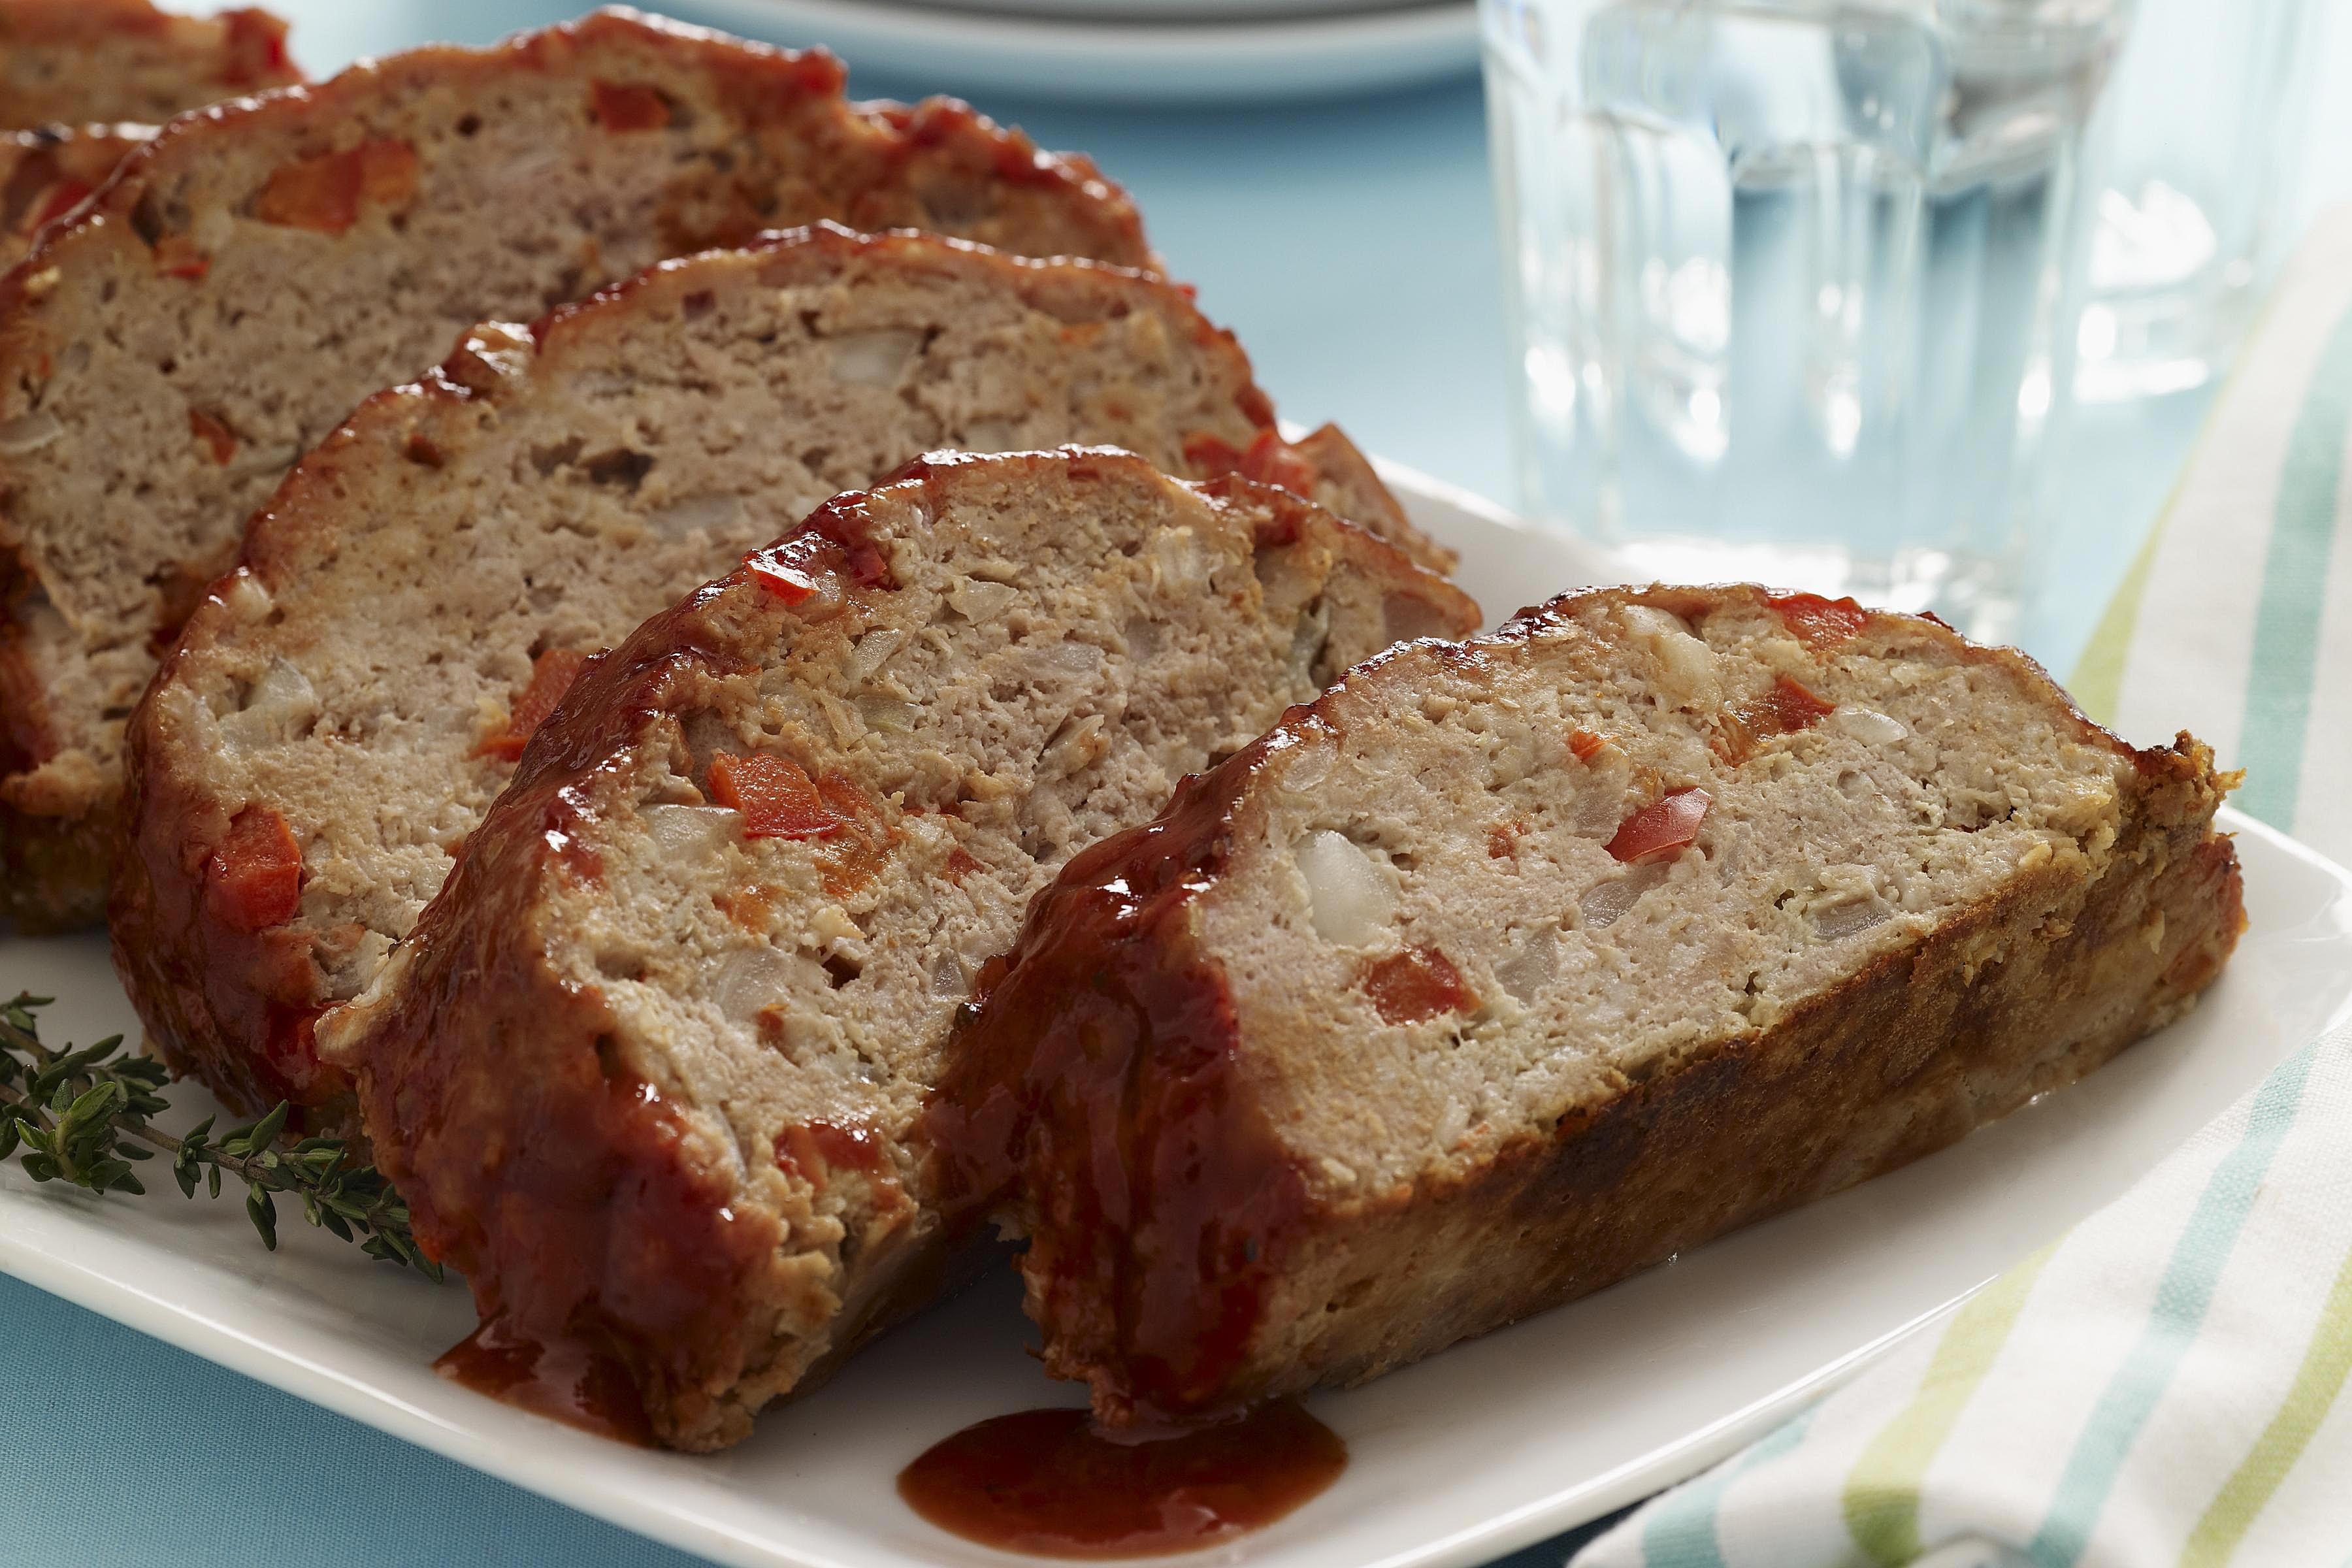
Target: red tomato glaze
x: 1048, y: 1483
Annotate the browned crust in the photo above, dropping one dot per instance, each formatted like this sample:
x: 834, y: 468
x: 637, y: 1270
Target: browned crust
x: 2023, y: 994
x: 577, y: 1204
x: 45, y: 172
x: 490, y: 1088
x: 873, y: 147
x: 569, y: 1195
x: 236, y: 1009
x: 875, y: 167
x: 1104, y: 1042
x: 1347, y: 472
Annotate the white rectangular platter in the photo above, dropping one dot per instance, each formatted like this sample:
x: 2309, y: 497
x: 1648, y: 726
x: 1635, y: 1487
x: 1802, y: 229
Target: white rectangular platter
x: 1456, y: 1461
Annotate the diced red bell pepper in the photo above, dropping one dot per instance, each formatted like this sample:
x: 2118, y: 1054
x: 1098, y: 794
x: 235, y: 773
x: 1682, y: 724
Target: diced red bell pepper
x: 325, y: 193
x: 775, y: 794
x: 387, y: 172
x: 1788, y: 706
x: 1819, y: 623
x: 628, y: 106
x: 1793, y: 706
x: 1418, y: 983
x: 1662, y: 827
x: 254, y: 880
x: 551, y: 675
x: 1583, y: 743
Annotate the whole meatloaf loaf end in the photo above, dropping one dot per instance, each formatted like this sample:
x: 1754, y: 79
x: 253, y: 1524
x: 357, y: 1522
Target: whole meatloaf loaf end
x: 646, y: 1070
x: 338, y: 713
x: 244, y: 279
x: 1511, y: 967
x: 71, y: 63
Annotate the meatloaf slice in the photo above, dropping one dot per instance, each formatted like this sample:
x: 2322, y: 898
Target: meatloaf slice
x: 74, y: 61
x: 252, y: 273
x: 648, y: 1068
x: 1511, y: 967
x: 423, y: 585
x: 46, y: 173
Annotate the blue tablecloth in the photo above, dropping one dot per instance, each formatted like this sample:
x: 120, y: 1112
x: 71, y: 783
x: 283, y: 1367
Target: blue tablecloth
x: 1352, y: 245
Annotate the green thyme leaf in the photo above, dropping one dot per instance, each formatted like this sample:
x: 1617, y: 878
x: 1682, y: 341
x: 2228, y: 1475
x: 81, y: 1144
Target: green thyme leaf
x: 83, y: 1117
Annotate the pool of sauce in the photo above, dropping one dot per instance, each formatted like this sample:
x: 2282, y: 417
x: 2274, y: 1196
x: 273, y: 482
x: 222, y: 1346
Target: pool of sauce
x: 563, y: 1383
x: 1050, y: 1483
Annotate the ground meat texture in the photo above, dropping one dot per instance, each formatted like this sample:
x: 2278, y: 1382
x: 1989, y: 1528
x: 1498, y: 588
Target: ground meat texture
x: 75, y: 62
x: 254, y: 271
x: 1508, y: 968
x: 648, y: 1067
x: 424, y: 587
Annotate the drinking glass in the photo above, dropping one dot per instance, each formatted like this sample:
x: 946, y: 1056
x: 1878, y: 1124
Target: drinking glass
x: 1793, y: 283
x: 2209, y: 106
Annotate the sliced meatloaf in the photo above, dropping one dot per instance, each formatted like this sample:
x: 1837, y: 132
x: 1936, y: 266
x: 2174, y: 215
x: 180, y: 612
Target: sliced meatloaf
x: 46, y: 173
x: 646, y: 1069
x: 76, y: 61
x: 253, y: 272
x: 413, y: 601
x: 1508, y: 968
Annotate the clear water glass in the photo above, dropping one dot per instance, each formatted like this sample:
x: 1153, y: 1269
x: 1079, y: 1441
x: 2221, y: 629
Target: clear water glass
x: 2209, y: 111
x: 1793, y: 282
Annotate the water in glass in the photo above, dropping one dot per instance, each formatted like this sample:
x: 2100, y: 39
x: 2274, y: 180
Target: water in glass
x: 1793, y: 281
x: 2209, y: 111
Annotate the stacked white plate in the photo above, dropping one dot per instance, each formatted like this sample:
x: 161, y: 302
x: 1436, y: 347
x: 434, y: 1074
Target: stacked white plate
x: 1132, y: 51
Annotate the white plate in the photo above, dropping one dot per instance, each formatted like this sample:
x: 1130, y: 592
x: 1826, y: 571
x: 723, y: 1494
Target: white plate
x: 1216, y: 60
x: 1474, y: 1453
x: 1182, y: 11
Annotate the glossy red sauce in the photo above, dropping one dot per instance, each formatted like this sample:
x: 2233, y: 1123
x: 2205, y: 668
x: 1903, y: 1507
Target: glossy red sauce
x: 562, y: 1382
x: 814, y: 1149
x: 848, y: 523
x: 1268, y: 458
x: 1157, y: 1280
x: 1049, y: 1483
x: 837, y: 538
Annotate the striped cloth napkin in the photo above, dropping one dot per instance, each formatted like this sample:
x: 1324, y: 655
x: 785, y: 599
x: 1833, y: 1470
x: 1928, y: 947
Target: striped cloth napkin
x: 2164, y: 1384
x: 2236, y: 620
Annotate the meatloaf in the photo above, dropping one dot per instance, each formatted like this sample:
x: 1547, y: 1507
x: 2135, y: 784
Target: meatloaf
x: 1511, y: 967
x: 646, y: 1069
x: 76, y: 61
x: 259, y: 267
x: 45, y: 174
x: 338, y: 715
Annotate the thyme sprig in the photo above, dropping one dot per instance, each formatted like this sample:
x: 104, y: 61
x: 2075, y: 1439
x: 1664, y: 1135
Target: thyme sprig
x: 83, y: 1117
